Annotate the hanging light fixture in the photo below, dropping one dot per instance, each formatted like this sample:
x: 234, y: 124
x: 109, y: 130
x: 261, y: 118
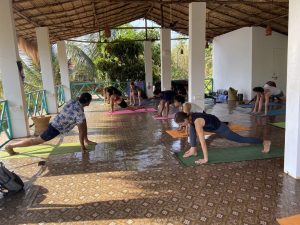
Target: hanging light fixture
x: 268, y: 30
x: 206, y: 45
x: 181, y: 51
x: 107, y: 31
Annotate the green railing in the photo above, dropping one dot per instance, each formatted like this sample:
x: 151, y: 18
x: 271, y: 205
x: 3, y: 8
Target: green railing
x: 36, y: 103
x: 96, y: 88
x: 208, y: 85
x: 5, y: 125
x: 60, y: 94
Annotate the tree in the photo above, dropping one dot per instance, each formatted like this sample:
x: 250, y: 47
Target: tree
x: 123, y: 58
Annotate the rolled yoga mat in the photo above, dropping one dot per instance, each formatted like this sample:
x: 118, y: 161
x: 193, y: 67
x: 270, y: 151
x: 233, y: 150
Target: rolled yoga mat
x: 231, y: 154
x: 43, y: 151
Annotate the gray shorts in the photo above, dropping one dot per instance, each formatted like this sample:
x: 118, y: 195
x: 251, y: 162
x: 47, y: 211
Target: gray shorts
x: 279, y: 95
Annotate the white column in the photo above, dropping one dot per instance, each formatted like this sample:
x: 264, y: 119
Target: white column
x: 197, y: 21
x: 64, y: 70
x: 148, y: 68
x: 11, y: 81
x: 165, y: 55
x: 44, y: 48
x: 292, y: 130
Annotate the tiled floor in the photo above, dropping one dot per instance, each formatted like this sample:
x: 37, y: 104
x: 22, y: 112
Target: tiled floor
x: 132, y: 178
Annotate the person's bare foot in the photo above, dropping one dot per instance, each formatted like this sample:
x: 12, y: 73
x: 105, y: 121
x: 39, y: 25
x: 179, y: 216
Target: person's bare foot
x: 189, y: 153
x: 10, y: 150
x: 267, y: 146
x: 201, y: 161
x: 88, y: 142
x: 157, y: 115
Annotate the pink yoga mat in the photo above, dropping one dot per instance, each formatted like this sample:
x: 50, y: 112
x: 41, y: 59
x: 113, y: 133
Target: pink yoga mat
x: 126, y: 111
x: 172, y: 116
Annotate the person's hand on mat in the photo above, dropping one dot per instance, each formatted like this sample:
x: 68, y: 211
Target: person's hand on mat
x: 201, y: 161
x: 267, y: 146
x: 191, y: 152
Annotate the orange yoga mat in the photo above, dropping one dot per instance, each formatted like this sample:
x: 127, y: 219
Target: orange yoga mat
x: 233, y: 127
x: 292, y: 220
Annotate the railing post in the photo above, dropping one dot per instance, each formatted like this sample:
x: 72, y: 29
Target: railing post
x: 8, y: 120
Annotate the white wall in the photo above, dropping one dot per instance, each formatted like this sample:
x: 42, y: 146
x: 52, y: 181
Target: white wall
x: 232, y: 60
x: 269, y: 56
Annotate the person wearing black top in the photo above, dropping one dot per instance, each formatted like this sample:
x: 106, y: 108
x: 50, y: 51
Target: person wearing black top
x: 167, y: 98
x: 200, y: 122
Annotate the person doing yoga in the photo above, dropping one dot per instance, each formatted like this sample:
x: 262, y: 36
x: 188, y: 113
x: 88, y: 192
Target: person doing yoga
x: 135, y: 91
x: 71, y: 115
x: 200, y: 122
x: 263, y: 95
x: 167, y: 98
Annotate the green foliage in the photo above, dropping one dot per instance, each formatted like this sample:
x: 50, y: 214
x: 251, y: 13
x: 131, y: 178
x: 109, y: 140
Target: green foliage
x: 123, y: 59
x: 208, y: 61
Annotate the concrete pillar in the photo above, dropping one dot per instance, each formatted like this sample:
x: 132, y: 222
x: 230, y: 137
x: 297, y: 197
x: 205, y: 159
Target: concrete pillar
x: 11, y: 80
x: 197, y: 22
x: 64, y: 70
x: 165, y: 52
x: 148, y: 68
x: 292, y: 130
x: 44, y: 48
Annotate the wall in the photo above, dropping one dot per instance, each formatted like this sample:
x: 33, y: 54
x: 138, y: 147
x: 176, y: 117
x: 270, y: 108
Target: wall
x: 269, y: 57
x: 232, y: 60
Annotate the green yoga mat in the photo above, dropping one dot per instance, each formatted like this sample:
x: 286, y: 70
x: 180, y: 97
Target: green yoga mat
x: 233, y: 154
x: 279, y: 124
x: 43, y: 151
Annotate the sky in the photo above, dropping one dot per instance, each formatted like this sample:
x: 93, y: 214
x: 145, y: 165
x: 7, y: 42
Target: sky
x: 141, y: 23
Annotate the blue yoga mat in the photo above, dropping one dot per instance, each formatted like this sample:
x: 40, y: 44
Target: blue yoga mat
x: 245, y: 106
x: 276, y: 112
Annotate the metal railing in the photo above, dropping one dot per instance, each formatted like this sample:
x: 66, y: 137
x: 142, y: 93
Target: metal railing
x: 97, y: 88
x: 208, y: 85
x: 60, y: 95
x: 36, y: 103
x: 5, y: 125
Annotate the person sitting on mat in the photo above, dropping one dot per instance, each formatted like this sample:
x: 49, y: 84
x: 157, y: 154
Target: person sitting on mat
x: 135, y: 91
x: 167, y: 98
x: 200, y: 122
x: 263, y: 96
x: 71, y: 115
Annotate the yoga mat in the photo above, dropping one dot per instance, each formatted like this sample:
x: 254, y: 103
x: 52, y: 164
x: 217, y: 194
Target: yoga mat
x: 279, y: 124
x: 126, y: 111
x: 276, y: 112
x: 233, y: 127
x: 232, y: 154
x: 292, y: 220
x: 43, y: 151
x: 245, y: 106
x: 172, y: 116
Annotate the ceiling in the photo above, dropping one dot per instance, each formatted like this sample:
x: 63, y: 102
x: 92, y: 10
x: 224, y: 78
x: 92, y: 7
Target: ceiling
x: 67, y: 19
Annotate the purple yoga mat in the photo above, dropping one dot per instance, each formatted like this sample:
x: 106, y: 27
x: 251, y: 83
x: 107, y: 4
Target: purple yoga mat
x: 126, y: 111
x: 172, y: 116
